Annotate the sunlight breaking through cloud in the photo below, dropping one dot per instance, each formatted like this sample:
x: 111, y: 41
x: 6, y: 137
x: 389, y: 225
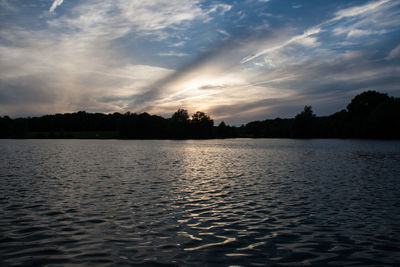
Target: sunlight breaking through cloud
x: 235, y: 61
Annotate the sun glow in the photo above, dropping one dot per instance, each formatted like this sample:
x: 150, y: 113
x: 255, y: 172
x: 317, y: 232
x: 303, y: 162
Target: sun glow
x: 209, y: 82
x: 201, y: 86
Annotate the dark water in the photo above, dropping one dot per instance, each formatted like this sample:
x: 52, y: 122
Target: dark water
x: 214, y: 202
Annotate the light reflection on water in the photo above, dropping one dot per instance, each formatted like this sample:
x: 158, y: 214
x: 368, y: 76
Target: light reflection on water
x: 230, y: 202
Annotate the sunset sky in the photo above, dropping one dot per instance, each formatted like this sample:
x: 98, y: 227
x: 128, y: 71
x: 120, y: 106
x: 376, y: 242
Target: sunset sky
x: 238, y: 61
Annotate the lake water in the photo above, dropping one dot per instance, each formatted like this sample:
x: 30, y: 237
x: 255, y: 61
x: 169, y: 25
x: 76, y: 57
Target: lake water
x: 206, y: 202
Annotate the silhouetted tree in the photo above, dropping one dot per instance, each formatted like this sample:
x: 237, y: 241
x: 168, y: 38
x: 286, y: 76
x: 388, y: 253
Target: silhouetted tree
x: 225, y: 131
x: 20, y: 127
x: 180, y: 116
x: 180, y: 124
x: 337, y: 125
x: 386, y: 118
x: 202, y: 119
x: 5, y: 127
x: 201, y: 125
x: 364, y: 104
x: 369, y: 115
x: 304, y: 124
x: 222, y: 130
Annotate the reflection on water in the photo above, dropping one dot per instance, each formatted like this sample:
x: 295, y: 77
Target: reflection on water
x: 230, y: 202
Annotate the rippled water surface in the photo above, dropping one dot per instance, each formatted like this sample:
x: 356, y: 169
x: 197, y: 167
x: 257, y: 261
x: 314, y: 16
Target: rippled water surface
x: 212, y: 202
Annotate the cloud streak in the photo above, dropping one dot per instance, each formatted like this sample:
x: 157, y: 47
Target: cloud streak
x: 395, y: 53
x: 359, y: 10
x: 55, y: 4
x: 302, y: 38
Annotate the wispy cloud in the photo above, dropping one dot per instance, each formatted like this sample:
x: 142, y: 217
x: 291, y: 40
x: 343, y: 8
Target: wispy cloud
x: 5, y: 5
x: 178, y: 44
x: 55, y: 4
x: 374, y: 18
x: 172, y: 54
x: 301, y: 38
x: 221, y: 8
x: 395, y: 53
x: 113, y: 19
x: 224, y: 33
x: 359, y: 10
x: 364, y: 26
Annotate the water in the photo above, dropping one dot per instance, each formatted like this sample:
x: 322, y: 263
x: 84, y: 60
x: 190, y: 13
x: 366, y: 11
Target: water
x: 213, y: 202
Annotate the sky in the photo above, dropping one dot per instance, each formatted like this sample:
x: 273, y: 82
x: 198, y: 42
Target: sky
x: 238, y: 61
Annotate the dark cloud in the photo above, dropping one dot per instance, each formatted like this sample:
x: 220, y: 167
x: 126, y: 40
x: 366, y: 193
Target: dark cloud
x: 26, y: 90
x: 342, y: 76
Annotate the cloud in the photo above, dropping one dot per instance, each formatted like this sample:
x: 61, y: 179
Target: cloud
x: 353, y: 32
x: 6, y: 6
x: 395, y: 53
x: 118, y: 56
x: 284, y: 66
x: 297, y: 69
x: 359, y: 10
x: 301, y: 38
x: 74, y: 60
x: 308, y: 41
x: 377, y: 22
x: 172, y: 54
x: 220, y: 8
x: 55, y: 4
x: 114, y: 19
x: 224, y: 33
x: 178, y: 44
x: 375, y: 18
x: 327, y: 85
x: 14, y: 91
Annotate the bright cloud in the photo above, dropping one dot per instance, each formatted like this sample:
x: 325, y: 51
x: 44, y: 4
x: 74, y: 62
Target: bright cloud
x: 55, y: 4
x: 172, y: 54
x: 304, y: 38
x: 359, y: 10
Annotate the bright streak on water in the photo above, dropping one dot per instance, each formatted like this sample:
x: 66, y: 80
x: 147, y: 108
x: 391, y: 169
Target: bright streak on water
x: 210, y: 202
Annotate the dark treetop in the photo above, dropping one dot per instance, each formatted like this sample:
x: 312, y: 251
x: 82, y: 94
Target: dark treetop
x: 369, y: 115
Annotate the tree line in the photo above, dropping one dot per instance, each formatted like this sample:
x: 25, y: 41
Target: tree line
x: 369, y: 115
x: 123, y: 126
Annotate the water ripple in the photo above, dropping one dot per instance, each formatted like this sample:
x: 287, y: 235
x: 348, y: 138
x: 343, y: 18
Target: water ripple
x: 213, y: 202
